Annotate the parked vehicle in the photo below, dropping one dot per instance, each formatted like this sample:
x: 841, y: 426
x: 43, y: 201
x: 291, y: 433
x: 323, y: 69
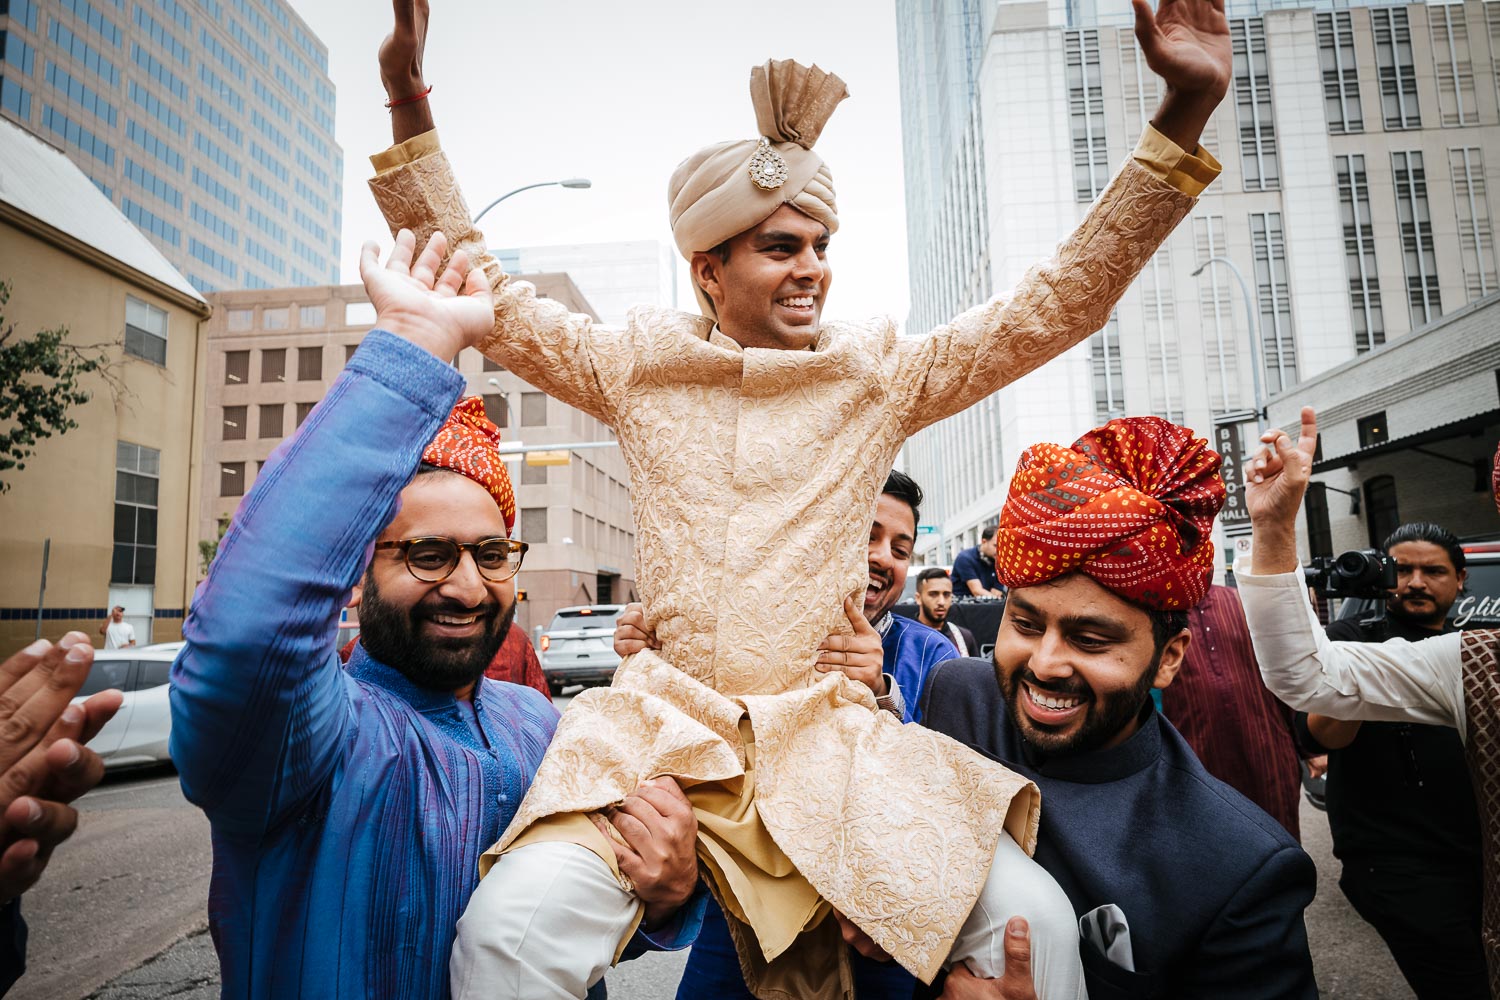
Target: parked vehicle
x: 579, y: 646
x: 138, y: 733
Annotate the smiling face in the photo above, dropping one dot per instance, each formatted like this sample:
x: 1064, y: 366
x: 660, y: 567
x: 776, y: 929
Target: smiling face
x: 770, y: 288
x: 440, y: 635
x: 892, y: 535
x: 1077, y: 664
x: 1426, y: 583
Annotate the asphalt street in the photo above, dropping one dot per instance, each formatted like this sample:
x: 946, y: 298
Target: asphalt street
x: 120, y: 913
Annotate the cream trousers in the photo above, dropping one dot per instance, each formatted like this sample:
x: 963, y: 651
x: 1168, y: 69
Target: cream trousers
x: 545, y: 924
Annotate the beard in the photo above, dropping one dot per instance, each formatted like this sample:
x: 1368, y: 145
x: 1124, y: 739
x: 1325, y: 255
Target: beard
x: 1103, y: 718
x: 389, y: 634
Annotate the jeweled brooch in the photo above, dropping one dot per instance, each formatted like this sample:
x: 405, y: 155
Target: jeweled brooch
x: 767, y: 168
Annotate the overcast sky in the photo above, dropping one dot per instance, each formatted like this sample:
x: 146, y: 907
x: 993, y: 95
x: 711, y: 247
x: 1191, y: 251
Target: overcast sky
x: 621, y: 93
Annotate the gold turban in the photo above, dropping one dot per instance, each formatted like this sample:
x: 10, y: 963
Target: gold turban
x: 723, y: 190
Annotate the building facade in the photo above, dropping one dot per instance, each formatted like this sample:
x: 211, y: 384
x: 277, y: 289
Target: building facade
x: 209, y: 123
x: 1359, y: 145
x: 613, y: 277
x: 271, y: 355
x: 107, y: 507
x: 1406, y: 432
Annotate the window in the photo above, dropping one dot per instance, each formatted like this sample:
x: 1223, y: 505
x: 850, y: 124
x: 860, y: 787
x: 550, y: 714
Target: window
x: 533, y: 475
x: 497, y: 409
x: 1397, y: 72
x: 1373, y: 430
x: 1359, y: 253
x: 231, y: 479
x: 310, y: 317
x: 1252, y: 101
x: 1274, y: 292
x: 1109, y: 386
x: 271, y: 420
x: 72, y: 132
x: 1452, y: 64
x: 234, y: 422
x: 1417, y: 247
x: 1476, y: 237
x: 152, y: 673
x: 236, y: 367
x: 273, y: 365
x: 309, y: 364
x: 303, y: 409
x: 15, y: 98
x: 241, y: 320
x: 491, y: 365
x: 349, y: 350
x: 1340, y: 77
x: 106, y: 674
x: 275, y: 319
x: 534, y: 525
x: 1382, y: 513
x: 151, y: 223
x: 137, y: 477
x: 533, y: 409
x: 145, y: 331
x: 1086, y: 113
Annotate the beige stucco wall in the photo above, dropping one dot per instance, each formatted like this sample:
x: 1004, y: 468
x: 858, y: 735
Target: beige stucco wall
x: 66, y: 492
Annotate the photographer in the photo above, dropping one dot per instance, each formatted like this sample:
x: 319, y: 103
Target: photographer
x: 1450, y: 680
x: 1400, y: 806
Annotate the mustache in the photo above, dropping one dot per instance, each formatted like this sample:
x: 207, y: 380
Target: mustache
x: 443, y: 606
x: 1065, y: 687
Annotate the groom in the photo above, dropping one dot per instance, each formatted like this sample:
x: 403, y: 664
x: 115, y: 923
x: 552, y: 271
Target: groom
x: 758, y: 438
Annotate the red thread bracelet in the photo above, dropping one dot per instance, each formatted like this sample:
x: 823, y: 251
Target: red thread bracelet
x: 409, y: 100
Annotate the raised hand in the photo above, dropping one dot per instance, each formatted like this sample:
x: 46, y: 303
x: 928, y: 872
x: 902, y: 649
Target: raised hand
x: 401, y: 69
x: 439, y: 312
x: 860, y: 656
x: 1186, y: 43
x: 1279, y: 473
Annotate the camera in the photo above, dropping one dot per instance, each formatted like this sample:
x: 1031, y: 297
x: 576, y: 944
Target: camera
x: 1366, y: 573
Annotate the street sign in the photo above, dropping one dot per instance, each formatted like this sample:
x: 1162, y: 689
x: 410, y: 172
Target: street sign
x: 1227, y: 442
x: 548, y: 457
x: 927, y: 529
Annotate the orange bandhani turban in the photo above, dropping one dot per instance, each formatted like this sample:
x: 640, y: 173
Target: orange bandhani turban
x: 1131, y: 504
x: 469, y: 445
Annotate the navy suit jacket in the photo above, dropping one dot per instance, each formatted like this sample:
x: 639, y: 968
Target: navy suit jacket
x: 1213, y: 889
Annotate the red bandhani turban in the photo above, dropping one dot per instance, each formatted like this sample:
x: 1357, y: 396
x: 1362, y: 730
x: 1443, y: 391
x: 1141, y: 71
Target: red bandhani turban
x: 469, y: 445
x: 1131, y: 504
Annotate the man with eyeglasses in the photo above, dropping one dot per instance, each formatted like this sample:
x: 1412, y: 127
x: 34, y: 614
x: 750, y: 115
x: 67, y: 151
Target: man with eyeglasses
x: 349, y: 805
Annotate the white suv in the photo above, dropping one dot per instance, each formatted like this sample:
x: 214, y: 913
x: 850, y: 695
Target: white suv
x: 138, y: 732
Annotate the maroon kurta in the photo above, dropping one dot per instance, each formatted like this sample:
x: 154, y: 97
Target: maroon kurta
x: 516, y: 662
x: 1238, y: 729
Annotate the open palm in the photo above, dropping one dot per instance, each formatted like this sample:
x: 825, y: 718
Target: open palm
x: 440, y: 309
x: 1186, y: 43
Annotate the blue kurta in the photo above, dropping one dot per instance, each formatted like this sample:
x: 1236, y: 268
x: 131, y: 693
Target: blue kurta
x: 348, y: 808
x: 911, y: 650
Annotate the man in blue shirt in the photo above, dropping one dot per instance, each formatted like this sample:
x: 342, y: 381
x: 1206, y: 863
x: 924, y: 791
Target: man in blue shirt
x: 974, y: 569
x: 349, y: 807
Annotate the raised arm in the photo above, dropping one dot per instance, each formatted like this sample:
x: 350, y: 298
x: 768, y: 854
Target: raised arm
x: 1063, y: 300
x: 564, y: 354
x: 260, y: 705
x: 1396, y: 681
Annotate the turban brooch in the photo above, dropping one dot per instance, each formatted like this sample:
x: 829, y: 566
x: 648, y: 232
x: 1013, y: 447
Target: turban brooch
x: 1131, y: 504
x: 725, y: 189
x: 469, y: 444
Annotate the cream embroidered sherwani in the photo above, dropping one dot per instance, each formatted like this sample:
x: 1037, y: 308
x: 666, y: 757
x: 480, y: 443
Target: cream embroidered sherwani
x: 754, y: 474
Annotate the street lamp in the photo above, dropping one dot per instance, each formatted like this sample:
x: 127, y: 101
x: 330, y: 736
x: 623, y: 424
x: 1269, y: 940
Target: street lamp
x: 568, y: 182
x: 1255, y: 345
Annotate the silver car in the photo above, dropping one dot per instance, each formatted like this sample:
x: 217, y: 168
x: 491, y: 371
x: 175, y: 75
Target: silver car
x: 579, y: 646
x: 138, y: 732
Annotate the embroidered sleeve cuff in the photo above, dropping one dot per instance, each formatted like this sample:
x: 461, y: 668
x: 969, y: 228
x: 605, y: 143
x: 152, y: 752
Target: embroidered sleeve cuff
x: 402, y: 153
x: 892, y: 701
x: 1188, y: 172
